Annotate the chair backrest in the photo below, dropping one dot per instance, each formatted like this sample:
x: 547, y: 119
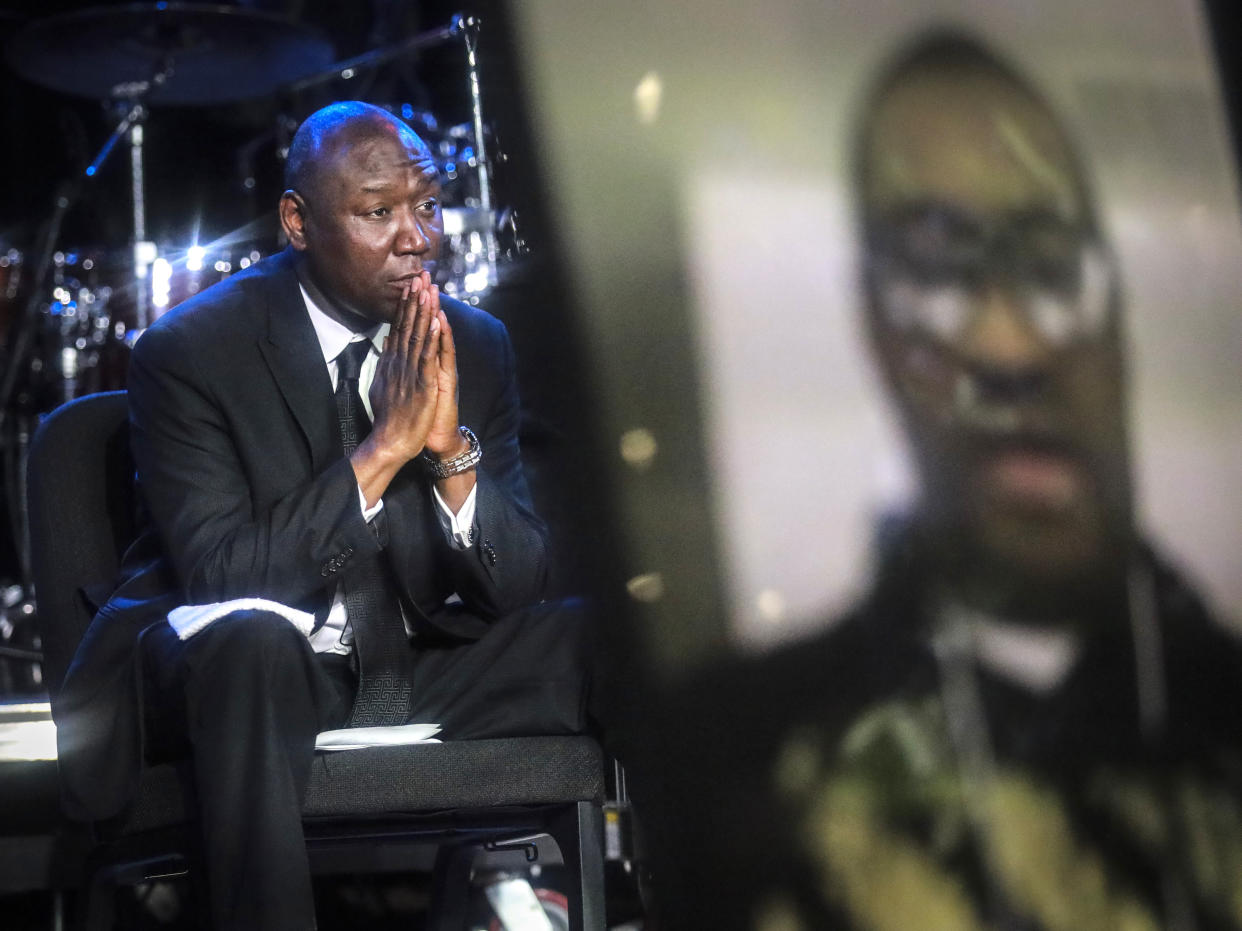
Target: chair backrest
x: 82, y: 517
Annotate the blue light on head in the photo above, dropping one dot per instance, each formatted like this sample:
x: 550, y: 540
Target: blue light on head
x: 90, y: 171
x: 467, y: 153
x: 407, y: 112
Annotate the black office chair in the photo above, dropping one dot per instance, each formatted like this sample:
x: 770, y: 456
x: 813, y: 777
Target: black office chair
x: 458, y: 796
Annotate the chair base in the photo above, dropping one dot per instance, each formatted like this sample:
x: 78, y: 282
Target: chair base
x: 398, y: 843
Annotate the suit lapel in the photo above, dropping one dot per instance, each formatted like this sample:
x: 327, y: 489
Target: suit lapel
x: 296, y: 361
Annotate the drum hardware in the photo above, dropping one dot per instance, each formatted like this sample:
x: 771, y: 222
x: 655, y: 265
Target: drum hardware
x: 350, y: 68
x: 77, y: 324
x: 133, y: 115
x: 470, y: 33
x: 468, y: 273
x: 509, y: 239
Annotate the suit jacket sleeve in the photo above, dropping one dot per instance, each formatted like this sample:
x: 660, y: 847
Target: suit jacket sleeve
x: 506, y: 567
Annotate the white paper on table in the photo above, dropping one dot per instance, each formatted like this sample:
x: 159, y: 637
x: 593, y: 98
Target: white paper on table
x: 355, y: 738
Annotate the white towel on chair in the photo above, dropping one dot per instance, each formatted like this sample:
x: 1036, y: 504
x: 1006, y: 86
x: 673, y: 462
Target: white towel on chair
x: 190, y: 619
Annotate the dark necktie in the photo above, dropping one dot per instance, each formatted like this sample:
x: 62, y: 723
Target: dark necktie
x: 371, y: 605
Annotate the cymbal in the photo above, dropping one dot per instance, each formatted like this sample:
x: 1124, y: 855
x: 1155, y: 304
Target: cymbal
x: 217, y: 54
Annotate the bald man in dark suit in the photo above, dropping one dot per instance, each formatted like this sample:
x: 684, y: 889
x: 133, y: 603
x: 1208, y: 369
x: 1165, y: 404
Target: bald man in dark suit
x: 302, y: 435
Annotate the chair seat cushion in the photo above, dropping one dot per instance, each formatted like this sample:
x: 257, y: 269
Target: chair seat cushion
x: 418, y: 778
x: 456, y: 774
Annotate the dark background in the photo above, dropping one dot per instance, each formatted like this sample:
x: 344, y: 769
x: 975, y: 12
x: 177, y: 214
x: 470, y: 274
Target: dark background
x: 193, y: 154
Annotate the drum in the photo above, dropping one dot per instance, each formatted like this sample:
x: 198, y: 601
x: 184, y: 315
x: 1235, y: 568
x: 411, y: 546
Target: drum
x: 92, y: 317
x: 179, y: 274
x: 76, y: 329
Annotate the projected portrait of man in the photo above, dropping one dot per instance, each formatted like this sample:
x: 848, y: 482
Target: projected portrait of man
x: 992, y: 303
x: 1030, y: 720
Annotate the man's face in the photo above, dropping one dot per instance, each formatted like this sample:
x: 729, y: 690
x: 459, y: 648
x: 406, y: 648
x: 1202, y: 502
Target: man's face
x: 372, y: 218
x: 991, y: 301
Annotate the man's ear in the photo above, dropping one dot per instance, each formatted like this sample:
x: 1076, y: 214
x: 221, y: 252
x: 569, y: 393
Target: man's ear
x: 293, y: 219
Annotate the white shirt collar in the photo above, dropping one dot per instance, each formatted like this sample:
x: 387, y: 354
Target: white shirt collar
x: 333, y: 335
x: 1039, y: 658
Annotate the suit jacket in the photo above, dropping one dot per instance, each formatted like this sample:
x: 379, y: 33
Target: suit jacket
x: 247, y: 493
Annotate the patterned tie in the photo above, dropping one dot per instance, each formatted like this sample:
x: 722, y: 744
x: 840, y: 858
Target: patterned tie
x: 371, y: 604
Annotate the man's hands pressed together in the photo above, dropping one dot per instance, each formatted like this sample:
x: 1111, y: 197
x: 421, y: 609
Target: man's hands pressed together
x: 414, y: 398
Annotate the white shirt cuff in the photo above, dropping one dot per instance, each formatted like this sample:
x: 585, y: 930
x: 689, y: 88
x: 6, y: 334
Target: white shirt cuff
x: 458, y: 526
x: 368, y: 513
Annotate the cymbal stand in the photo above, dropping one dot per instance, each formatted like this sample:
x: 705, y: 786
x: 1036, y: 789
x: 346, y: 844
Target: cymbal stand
x: 130, y: 97
x: 349, y: 68
x: 468, y: 26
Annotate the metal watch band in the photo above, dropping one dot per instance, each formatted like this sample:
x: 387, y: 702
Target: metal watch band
x: 446, y: 468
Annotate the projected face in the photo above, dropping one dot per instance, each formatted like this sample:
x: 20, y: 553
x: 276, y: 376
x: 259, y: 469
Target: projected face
x: 991, y: 307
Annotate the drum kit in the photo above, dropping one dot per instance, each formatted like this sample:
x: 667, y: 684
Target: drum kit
x: 70, y: 314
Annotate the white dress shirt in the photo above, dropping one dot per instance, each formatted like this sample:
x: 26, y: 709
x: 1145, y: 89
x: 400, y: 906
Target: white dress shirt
x: 333, y: 338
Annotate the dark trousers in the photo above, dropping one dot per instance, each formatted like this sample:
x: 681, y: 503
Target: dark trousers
x: 245, y: 698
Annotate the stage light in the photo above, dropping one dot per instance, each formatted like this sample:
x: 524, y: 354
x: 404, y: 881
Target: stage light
x: 161, y: 282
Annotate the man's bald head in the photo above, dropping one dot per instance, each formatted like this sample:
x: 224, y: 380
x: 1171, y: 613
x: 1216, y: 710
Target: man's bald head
x: 361, y: 211
x: 322, y: 135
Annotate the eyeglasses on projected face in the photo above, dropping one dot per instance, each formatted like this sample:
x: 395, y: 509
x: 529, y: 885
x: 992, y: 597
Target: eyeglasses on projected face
x: 931, y: 270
